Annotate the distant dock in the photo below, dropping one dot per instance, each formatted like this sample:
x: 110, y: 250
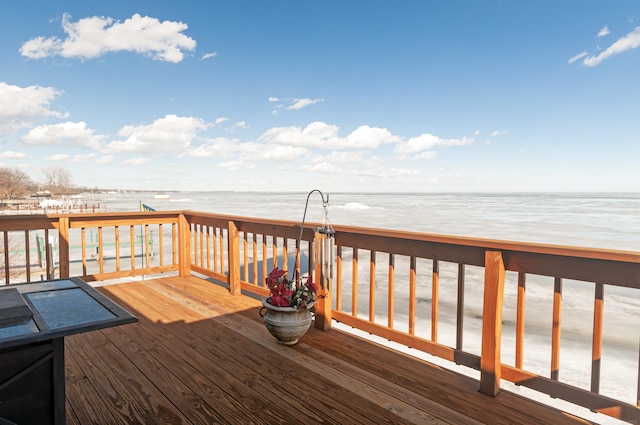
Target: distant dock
x: 48, y: 206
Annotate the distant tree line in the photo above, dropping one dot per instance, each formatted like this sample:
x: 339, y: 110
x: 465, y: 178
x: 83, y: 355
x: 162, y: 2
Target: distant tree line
x: 15, y: 183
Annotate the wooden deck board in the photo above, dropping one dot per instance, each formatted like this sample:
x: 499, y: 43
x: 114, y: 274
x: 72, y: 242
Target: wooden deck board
x: 201, y: 356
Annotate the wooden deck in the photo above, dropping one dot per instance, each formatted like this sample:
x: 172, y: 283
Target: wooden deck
x: 201, y: 356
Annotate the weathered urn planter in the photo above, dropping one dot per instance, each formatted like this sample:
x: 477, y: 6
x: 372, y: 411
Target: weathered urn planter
x: 286, y: 324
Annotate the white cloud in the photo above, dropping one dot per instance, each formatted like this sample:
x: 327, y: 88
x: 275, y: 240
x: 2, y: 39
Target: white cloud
x: 578, y: 57
x: 302, y: 103
x: 171, y: 134
x: 21, y: 107
x: 13, y: 155
x: 316, y: 134
x: 236, y: 165
x: 292, y: 103
x: 89, y: 157
x: 105, y: 159
x: 628, y: 42
x: 340, y: 157
x: 497, y: 133
x: 365, y: 137
x: 220, y: 120
x: 135, y: 161
x: 208, y: 56
x: 319, y: 147
x: 220, y: 148
x: 280, y: 153
x: 237, y: 125
x: 604, y: 31
x: 57, y: 157
x: 426, y: 155
x: 368, y: 168
x: 69, y: 133
x: 426, y: 142
x: 322, y: 135
x: 96, y: 36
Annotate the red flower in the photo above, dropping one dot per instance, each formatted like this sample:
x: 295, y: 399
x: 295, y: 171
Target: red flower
x: 312, y: 287
x: 275, y: 276
x: 285, y: 293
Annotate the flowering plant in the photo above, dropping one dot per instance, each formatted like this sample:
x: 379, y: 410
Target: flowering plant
x: 288, y: 293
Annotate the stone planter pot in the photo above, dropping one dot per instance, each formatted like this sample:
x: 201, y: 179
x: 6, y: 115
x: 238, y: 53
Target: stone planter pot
x: 287, y: 324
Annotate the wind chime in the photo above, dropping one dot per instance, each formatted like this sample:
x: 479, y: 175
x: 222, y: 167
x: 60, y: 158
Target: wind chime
x: 324, y: 244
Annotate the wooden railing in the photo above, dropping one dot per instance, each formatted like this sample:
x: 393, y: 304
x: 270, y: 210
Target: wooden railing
x: 90, y: 246
x: 460, y: 299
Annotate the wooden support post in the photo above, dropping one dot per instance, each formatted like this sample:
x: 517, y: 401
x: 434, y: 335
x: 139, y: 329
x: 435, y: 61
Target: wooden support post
x: 63, y: 246
x: 235, y: 287
x: 490, y: 364
x: 184, y: 244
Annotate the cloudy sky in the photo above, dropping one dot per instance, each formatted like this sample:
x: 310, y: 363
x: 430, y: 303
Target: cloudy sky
x: 458, y: 96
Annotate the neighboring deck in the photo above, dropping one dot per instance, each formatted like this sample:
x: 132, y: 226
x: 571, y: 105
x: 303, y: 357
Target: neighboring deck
x: 200, y: 355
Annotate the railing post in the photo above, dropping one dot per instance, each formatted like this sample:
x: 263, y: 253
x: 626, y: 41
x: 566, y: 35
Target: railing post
x: 63, y: 246
x: 323, y: 280
x: 184, y: 243
x: 233, y: 259
x: 490, y: 363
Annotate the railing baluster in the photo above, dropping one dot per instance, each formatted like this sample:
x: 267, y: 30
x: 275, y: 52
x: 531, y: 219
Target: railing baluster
x: 391, y: 292
x: 245, y: 249
x: 174, y: 243
x: 460, y: 308
x: 100, y: 250
x: 132, y: 248
x: 207, y: 240
x: 7, y: 277
x: 555, y: 331
x: 310, y: 259
x: 520, y: 315
x: 285, y: 253
x: 435, y: 287
x: 412, y: 296
x: 48, y: 255
x: 27, y: 253
x: 147, y: 254
x: 117, y: 240
x: 354, y: 283
x: 222, y: 268
x: 83, y: 247
x: 161, y: 245
x: 596, y: 348
x: 214, y: 241
x: 372, y: 285
x: 274, y: 251
x: 63, y: 247
x: 254, y: 256
x: 339, y: 278
x: 203, y: 250
x: 264, y: 256
x: 194, y: 244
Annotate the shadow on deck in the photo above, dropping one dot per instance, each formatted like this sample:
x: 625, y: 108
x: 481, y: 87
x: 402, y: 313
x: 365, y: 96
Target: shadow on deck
x: 199, y: 355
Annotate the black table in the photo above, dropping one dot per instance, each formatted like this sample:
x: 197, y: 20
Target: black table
x: 32, y: 386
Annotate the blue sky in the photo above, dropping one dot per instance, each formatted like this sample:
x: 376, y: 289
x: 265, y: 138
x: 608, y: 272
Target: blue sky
x: 411, y: 96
